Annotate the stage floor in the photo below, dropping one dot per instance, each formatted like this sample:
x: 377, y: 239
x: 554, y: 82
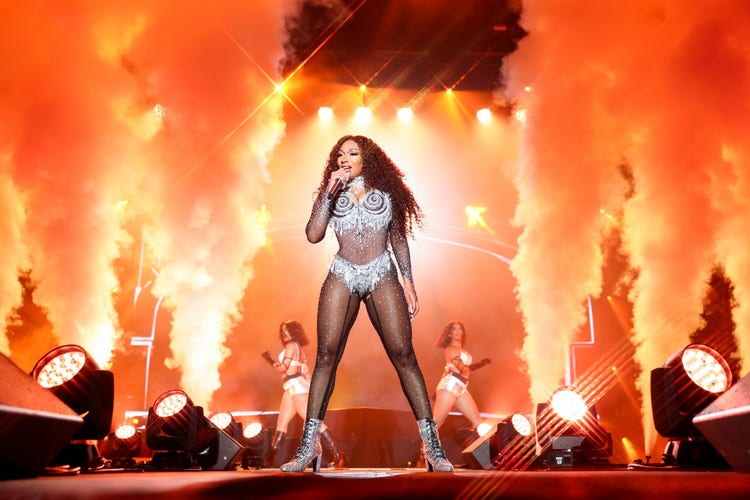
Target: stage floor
x: 383, y: 483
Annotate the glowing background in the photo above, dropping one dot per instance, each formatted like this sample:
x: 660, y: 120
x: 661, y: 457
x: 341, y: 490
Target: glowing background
x: 123, y: 123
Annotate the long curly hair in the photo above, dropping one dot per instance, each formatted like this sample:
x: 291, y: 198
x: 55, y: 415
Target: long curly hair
x: 444, y: 340
x: 296, y: 332
x: 381, y: 173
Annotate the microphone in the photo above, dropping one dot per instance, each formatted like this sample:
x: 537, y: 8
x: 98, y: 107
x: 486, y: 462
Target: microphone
x: 334, y: 190
x: 267, y: 356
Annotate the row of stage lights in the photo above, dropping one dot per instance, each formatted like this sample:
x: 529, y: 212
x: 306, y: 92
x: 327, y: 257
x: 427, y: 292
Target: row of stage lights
x: 363, y: 115
x: 564, y: 432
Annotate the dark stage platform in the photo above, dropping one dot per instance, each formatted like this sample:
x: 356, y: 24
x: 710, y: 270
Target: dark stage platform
x: 383, y: 483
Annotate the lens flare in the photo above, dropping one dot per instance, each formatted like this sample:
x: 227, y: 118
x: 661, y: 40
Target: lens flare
x: 568, y: 404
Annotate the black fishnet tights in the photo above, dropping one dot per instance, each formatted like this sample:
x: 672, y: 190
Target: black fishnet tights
x: 388, y: 312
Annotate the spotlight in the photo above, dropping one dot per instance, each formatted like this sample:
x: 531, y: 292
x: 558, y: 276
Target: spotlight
x: 325, y: 113
x: 481, y: 446
x: 184, y: 438
x: 362, y: 115
x: 689, y: 381
x: 122, y: 446
x: 71, y: 374
x: 514, y: 446
x: 484, y: 115
x: 569, y: 432
x: 405, y: 115
x: 257, y: 446
x: 177, y: 430
x: 225, y: 421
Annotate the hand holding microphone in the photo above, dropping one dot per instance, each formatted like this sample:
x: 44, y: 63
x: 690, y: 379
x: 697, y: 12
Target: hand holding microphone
x: 338, y: 179
x: 267, y: 356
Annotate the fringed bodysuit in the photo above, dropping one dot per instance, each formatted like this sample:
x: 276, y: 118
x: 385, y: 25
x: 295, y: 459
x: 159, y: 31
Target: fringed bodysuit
x: 363, y: 271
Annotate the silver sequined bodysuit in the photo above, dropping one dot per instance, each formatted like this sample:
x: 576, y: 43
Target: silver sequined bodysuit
x: 362, y: 272
x: 363, y: 230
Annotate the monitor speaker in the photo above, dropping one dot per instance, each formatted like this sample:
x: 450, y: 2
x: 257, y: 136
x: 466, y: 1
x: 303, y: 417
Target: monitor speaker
x: 223, y: 453
x: 725, y: 423
x: 478, y: 455
x: 34, y: 424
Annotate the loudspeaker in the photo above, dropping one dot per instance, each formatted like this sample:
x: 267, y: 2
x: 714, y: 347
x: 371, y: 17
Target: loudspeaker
x: 478, y: 455
x: 34, y: 424
x: 222, y: 454
x: 725, y: 423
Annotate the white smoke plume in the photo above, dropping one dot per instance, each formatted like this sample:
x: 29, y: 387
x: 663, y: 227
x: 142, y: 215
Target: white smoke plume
x: 145, y: 113
x: 662, y: 85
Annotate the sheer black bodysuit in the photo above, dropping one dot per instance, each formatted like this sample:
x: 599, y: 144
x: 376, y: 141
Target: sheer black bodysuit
x: 361, y: 273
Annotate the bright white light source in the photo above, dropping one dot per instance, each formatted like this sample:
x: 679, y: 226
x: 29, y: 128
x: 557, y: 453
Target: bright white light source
x: 706, y: 368
x: 484, y: 115
x: 484, y: 428
x: 61, y: 369
x: 522, y: 424
x: 362, y: 116
x: 171, y: 404
x: 221, y: 419
x: 325, y: 113
x: 568, y: 404
x: 405, y: 115
x: 125, y: 431
x: 252, y: 429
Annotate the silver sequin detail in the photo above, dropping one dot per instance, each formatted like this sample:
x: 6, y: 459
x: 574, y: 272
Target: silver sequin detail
x: 357, y: 182
x: 373, y: 213
x: 362, y: 278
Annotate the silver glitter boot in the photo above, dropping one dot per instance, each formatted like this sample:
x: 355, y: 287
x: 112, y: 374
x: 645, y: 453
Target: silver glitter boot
x: 434, y: 455
x: 309, y: 449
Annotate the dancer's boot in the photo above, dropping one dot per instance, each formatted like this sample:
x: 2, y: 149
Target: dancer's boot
x: 434, y: 454
x: 278, y: 437
x: 309, y: 449
x: 338, y: 460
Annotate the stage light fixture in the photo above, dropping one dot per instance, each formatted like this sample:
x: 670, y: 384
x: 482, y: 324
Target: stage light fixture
x: 362, y: 115
x: 514, y: 444
x: 484, y: 115
x: 690, y: 380
x: 569, y: 432
x: 122, y: 445
x: 257, y: 445
x: 176, y: 430
x: 71, y: 374
x: 325, y: 113
x: 183, y: 438
x: 405, y: 115
x: 225, y: 421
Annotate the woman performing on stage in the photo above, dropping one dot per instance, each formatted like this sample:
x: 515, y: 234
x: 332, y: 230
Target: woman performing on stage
x: 363, y: 198
x: 292, y: 364
x: 453, y: 386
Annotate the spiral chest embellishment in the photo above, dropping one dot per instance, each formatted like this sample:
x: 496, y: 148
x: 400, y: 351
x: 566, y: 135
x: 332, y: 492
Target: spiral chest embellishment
x: 374, y: 213
x: 376, y: 203
x: 344, y: 206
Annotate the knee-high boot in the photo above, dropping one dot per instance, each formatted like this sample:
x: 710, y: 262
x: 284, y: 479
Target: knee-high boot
x: 434, y: 454
x: 338, y: 459
x: 278, y: 437
x: 309, y: 449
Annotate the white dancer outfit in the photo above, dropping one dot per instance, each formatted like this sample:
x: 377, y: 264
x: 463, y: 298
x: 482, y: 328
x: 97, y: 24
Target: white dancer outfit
x: 296, y: 383
x: 452, y: 380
